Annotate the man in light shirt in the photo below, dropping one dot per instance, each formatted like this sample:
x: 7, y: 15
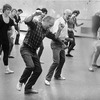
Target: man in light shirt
x: 58, y: 49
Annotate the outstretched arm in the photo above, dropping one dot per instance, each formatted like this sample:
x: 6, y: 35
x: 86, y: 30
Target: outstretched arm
x: 77, y: 23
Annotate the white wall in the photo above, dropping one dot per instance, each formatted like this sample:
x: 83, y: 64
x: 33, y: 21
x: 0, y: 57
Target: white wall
x: 56, y: 7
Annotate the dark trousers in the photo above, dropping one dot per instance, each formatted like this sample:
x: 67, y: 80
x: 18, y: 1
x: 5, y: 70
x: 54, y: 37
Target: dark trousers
x: 11, y: 45
x: 40, y: 50
x: 5, y: 48
x: 33, y: 67
x: 0, y: 49
x: 58, y: 62
x: 18, y: 35
x: 17, y: 39
x: 71, y: 43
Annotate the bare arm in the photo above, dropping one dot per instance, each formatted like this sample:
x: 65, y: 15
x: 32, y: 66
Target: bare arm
x: 77, y: 23
x: 60, y: 27
x: 32, y: 16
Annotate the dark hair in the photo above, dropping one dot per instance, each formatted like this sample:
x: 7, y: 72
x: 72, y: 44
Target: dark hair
x: 20, y: 10
x: 38, y: 9
x: 44, y: 10
x: 13, y: 10
x: 76, y: 11
x: 5, y: 7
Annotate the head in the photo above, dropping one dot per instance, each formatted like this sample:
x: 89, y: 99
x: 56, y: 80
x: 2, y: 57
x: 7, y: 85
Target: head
x: 19, y: 11
x: 38, y: 9
x: 67, y: 13
x: 44, y: 12
x: 48, y: 22
x: 13, y: 12
x: 6, y: 9
x: 76, y: 12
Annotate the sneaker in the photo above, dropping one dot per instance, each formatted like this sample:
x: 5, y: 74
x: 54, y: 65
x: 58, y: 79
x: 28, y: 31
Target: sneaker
x: 31, y: 91
x: 47, y: 83
x: 91, y: 69
x: 19, y: 86
x: 69, y: 55
x: 97, y: 66
x: 60, y: 78
x: 8, y: 71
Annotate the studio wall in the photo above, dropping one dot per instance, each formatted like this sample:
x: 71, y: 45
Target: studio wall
x: 56, y: 7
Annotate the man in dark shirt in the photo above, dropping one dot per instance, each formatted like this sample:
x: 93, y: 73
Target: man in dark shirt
x: 18, y: 20
x: 36, y: 33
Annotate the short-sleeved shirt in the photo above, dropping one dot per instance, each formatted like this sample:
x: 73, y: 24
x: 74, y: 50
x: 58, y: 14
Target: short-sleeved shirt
x: 64, y: 33
x: 4, y: 28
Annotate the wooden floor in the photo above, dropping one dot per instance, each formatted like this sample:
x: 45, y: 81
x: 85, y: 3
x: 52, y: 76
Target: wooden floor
x: 80, y: 84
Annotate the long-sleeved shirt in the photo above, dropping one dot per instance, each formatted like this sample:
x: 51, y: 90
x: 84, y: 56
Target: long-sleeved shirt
x: 36, y: 33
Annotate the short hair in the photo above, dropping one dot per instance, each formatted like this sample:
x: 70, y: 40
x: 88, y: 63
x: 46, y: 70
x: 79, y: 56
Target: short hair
x: 38, y: 9
x: 76, y: 11
x: 44, y: 10
x: 5, y: 7
x: 48, y: 19
x: 13, y: 10
x: 67, y: 11
x: 20, y: 10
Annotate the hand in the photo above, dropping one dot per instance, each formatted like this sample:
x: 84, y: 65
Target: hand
x: 82, y: 23
x: 16, y: 32
x: 75, y: 30
x: 61, y: 26
x: 64, y: 46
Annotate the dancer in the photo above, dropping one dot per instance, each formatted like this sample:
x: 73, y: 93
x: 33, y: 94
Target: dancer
x: 96, y: 53
x: 11, y: 35
x: 72, y: 22
x: 18, y: 21
x: 95, y: 23
x: 5, y: 24
x: 57, y: 49
x: 36, y: 33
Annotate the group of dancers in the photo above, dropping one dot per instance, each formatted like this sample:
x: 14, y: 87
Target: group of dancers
x: 40, y: 25
x: 62, y: 36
